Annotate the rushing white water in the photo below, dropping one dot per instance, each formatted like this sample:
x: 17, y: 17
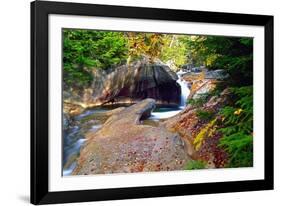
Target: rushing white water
x: 95, y: 128
x: 164, y: 113
x: 184, y: 91
x: 69, y: 170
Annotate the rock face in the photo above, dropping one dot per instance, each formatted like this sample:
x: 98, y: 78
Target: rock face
x: 200, y: 83
x: 123, y: 144
x: 201, y: 87
x: 217, y: 74
x: 72, y: 109
x: 130, y: 84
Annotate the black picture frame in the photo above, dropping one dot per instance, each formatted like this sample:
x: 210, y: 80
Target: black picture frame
x: 40, y: 112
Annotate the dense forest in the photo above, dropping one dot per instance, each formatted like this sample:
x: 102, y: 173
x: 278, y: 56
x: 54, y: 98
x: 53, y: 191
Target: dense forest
x: 228, y: 128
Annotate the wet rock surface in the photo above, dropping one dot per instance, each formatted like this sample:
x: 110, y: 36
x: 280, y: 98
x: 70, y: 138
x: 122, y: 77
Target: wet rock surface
x: 124, y: 145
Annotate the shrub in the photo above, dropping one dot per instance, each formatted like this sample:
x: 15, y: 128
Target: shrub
x: 200, y: 101
x: 204, y: 115
x: 207, y: 131
x: 240, y: 148
x: 195, y: 164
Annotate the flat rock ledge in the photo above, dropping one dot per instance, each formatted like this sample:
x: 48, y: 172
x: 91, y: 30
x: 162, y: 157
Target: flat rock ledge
x: 124, y: 145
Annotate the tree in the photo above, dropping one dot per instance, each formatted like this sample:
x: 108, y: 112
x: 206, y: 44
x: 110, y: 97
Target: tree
x: 87, y: 49
x: 174, y: 49
x: 147, y: 44
x: 233, y: 54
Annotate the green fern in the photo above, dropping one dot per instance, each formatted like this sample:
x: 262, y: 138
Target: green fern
x: 237, y: 128
x: 240, y: 148
x: 204, y: 115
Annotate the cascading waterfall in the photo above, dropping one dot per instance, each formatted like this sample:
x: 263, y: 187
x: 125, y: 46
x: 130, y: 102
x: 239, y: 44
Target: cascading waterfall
x: 163, y: 113
x: 184, y: 90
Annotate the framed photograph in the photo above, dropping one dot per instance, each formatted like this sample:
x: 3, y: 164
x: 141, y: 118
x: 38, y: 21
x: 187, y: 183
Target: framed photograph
x: 131, y: 102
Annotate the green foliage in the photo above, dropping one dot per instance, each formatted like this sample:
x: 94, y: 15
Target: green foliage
x: 220, y: 86
x: 174, y: 50
x: 199, y: 101
x: 240, y: 148
x: 239, y: 117
x: 233, y: 54
x: 240, y: 68
x: 195, y: 49
x: 238, y: 127
x: 204, y: 115
x: 207, y: 131
x: 76, y: 75
x: 195, y: 164
x: 247, y: 41
x: 85, y: 49
x: 148, y: 44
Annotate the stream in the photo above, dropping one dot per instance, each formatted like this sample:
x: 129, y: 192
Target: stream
x: 92, y: 120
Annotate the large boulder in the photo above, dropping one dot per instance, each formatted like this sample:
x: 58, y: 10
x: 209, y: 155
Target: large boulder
x: 218, y: 74
x: 200, y: 88
x: 130, y: 84
x: 200, y: 83
x: 123, y: 144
